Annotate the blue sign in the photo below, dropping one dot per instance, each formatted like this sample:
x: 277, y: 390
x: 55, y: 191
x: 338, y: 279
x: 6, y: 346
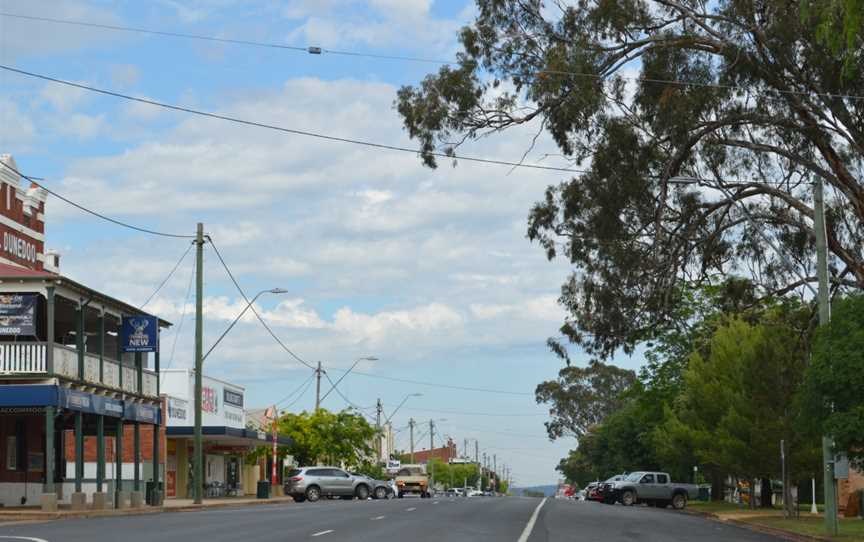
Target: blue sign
x: 88, y: 402
x: 139, y: 334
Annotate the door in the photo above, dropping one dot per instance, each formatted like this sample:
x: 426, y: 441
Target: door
x: 661, y: 487
x: 647, y: 488
x: 343, y: 484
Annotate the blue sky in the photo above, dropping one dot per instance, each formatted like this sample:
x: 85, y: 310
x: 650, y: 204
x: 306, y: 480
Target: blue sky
x: 430, y: 271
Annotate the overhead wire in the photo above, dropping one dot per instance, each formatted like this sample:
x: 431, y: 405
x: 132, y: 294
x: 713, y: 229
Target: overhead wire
x: 438, y: 385
x: 182, y: 317
x: 305, y: 383
x: 461, y: 413
x: 405, y: 58
x: 91, y: 211
x: 294, y: 131
x: 255, y: 311
x: 170, y: 274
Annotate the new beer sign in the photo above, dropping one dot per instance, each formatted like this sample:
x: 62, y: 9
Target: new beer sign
x: 139, y: 334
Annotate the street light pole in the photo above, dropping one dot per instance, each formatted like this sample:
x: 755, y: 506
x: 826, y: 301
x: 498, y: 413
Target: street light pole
x: 198, y: 451
x: 390, y: 417
x: 333, y: 386
x: 318, y: 387
x: 411, y: 427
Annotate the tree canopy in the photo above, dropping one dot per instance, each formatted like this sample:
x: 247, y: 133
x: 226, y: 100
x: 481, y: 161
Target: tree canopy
x: 333, y: 437
x: 745, y: 98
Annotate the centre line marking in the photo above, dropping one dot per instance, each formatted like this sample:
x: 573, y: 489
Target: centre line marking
x: 436, y: 502
x: 530, y: 526
x: 323, y: 532
x: 410, y: 509
x: 379, y: 517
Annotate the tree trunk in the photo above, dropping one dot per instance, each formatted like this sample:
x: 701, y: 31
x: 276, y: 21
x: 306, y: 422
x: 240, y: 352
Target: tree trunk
x: 717, y: 481
x: 766, y: 493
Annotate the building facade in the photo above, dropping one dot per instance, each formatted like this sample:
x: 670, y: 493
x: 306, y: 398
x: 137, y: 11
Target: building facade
x: 64, y: 372
x: 228, y: 439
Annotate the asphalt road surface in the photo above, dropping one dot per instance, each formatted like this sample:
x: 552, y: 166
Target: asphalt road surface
x: 503, y: 519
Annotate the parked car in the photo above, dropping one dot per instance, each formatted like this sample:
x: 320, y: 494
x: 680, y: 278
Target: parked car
x: 312, y: 483
x: 592, y: 492
x: 474, y: 493
x: 652, y: 488
x: 380, y: 489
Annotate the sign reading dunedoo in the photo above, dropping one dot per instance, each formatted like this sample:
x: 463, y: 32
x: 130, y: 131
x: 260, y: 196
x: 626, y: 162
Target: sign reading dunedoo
x: 17, y: 314
x: 139, y: 334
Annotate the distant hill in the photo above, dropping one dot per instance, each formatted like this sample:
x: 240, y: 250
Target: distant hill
x: 549, y: 490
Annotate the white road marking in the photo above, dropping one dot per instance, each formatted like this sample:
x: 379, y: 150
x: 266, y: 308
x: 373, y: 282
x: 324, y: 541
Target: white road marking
x: 530, y: 526
x: 379, y: 517
x: 29, y: 539
x: 410, y: 509
x: 436, y: 502
x: 323, y: 532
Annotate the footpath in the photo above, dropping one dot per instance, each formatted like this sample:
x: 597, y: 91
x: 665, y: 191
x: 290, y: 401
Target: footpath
x: 805, y: 528
x: 35, y: 514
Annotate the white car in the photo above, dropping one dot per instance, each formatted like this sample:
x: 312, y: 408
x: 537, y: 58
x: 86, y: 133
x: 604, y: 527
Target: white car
x: 475, y: 493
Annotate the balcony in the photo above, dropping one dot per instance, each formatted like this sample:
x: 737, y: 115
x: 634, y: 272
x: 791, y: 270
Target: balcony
x: 30, y: 359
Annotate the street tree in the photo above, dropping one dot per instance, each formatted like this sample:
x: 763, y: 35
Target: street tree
x: 836, y: 377
x: 742, y: 398
x: 582, y: 397
x: 745, y: 98
x: 334, y: 437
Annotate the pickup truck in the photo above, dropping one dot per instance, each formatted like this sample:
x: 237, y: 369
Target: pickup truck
x: 412, y: 479
x: 652, y: 488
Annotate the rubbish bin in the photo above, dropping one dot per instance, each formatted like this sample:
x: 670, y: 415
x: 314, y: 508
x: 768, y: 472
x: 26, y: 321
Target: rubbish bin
x: 152, y: 498
x: 263, y: 489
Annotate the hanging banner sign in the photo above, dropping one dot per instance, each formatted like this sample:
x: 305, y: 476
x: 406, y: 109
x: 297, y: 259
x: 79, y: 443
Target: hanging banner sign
x: 139, y: 334
x: 18, y: 314
x: 88, y: 402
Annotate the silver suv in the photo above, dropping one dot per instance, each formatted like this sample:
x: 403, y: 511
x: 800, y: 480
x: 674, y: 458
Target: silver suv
x: 312, y: 483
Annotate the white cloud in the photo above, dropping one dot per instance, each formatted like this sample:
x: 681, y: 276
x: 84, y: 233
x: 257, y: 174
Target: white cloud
x: 80, y: 125
x: 125, y: 75
x: 17, y: 130
x: 376, y: 329
x: 542, y: 308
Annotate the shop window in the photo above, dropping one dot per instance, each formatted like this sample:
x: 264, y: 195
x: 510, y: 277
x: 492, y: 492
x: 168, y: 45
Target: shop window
x: 11, y: 453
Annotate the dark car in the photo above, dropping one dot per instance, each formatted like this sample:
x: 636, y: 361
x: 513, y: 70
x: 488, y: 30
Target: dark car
x: 380, y: 489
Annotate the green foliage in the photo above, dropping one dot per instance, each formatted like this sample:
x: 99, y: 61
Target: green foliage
x: 372, y: 470
x: 741, y: 398
x: 835, y: 379
x: 766, y: 113
x: 332, y: 437
x: 453, y: 474
x: 582, y: 397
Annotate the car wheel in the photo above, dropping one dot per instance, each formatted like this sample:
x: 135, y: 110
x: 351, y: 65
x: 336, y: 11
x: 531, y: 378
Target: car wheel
x: 628, y: 498
x: 380, y: 493
x: 362, y: 492
x: 299, y: 498
x: 679, y: 501
x: 313, y: 493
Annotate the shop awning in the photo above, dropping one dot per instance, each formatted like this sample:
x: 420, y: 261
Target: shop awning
x: 229, y: 435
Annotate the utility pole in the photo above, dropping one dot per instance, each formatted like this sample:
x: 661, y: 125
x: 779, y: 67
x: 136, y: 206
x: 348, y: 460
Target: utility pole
x: 198, y: 451
x: 318, y: 387
x: 466, y: 449
x: 477, y: 460
x: 431, y: 447
x: 379, y: 408
x: 411, y: 427
x: 831, y: 522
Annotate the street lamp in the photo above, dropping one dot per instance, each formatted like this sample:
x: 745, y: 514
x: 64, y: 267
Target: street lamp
x: 390, y: 417
x: 239, y: 316
x: 333, y: 386
x: 198, y: 459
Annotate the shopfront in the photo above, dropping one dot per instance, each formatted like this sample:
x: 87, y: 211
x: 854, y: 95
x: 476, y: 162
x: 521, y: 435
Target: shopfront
x: 227, y: 442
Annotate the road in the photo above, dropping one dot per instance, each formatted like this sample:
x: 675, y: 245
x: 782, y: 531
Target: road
x: 414, y: 520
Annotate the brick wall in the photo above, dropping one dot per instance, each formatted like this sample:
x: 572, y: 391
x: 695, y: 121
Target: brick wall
x: 128, y: 444
x: 443, y: 454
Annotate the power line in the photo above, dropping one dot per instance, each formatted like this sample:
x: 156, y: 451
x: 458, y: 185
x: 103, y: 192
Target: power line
x: 348, y: 401
x: 404, y: 58
x: 305, y: 383
x: 437, y: 385
x: 294, y: 131
x: 182, y: 317
x: 168, y: 277
x: 90, y: 211
x: 254, y: 311
x: 150, y: 31
x: 302, y: 394
x: 458, y: 413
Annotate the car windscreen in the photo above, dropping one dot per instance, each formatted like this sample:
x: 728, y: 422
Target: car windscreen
x: 294, y: 472
x: 634, y: 476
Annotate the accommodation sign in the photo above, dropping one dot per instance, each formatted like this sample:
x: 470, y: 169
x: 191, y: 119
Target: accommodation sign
x: 140, y: 334
x: 18, y: 314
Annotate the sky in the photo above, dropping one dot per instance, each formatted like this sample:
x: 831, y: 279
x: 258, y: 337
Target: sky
x: 429, y: 271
